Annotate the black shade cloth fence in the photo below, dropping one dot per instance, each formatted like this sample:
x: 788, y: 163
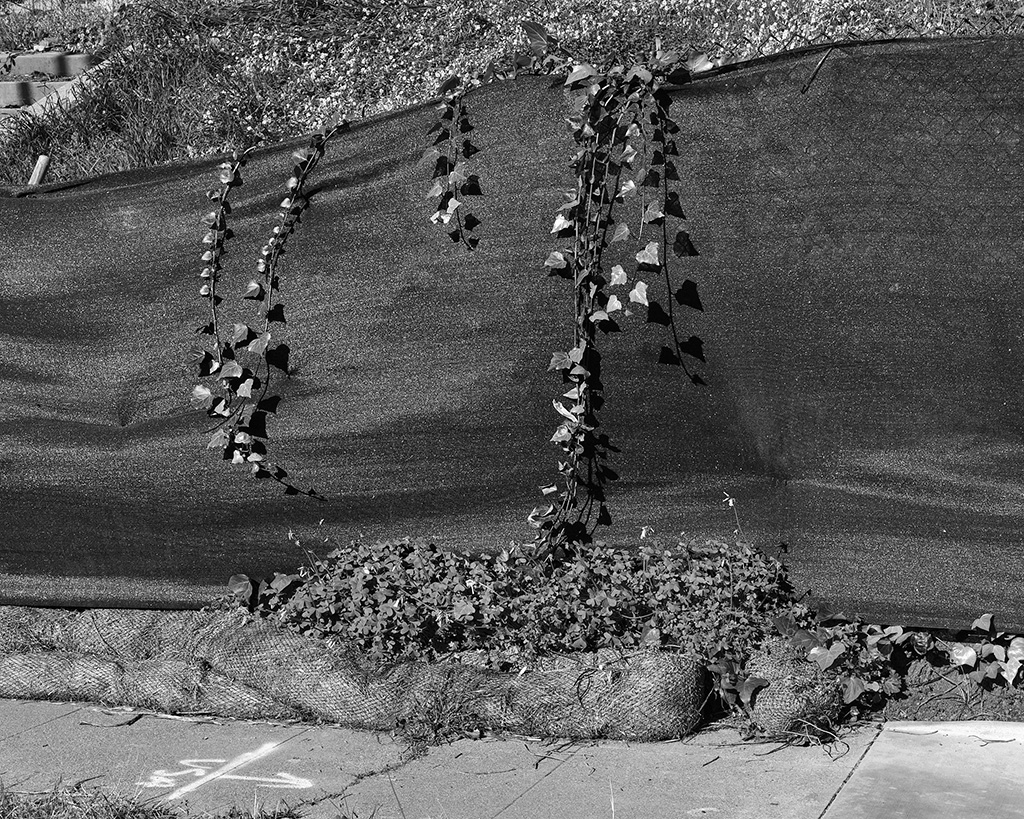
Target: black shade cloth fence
x: 860, y: 228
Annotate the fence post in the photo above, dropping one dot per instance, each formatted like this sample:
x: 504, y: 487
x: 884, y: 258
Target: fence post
x: 40, y: 170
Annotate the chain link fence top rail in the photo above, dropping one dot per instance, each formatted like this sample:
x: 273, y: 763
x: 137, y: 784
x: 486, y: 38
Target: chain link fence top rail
x: 857, y: 211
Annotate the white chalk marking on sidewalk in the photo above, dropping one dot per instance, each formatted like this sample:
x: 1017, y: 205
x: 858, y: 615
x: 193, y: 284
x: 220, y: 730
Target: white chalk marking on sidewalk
x: 231, y: 765
x: 282, y: 780
x: 162, y: 778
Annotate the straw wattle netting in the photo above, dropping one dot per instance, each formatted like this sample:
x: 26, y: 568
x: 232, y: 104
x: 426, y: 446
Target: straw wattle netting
x: 800, y: 698
x: 221, y: 663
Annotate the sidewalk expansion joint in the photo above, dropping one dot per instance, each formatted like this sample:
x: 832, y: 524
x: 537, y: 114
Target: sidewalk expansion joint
x: 555, y: 767
x: 44, y: 722
x: 853, y: 770
x: 342, y: 795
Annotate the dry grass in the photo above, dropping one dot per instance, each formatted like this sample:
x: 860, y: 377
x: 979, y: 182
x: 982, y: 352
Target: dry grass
x: 77, y: 803
x: 68, y: 24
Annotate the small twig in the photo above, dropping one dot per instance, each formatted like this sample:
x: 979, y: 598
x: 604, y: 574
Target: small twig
x: 985, y: 742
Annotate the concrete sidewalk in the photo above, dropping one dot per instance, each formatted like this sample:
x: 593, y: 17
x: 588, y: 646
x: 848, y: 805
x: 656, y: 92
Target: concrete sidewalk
x: 205, y: 765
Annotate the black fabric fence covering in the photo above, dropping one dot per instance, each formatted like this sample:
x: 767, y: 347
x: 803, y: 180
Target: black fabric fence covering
x: 860, y: 231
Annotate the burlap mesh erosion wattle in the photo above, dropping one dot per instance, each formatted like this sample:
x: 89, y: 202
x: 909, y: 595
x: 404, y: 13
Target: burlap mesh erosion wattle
x: 799, y: 699
x: 219, y: 663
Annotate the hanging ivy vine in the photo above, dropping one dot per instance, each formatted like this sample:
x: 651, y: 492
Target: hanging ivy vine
x: 619, y: 109
x: 624, y: 136
x: 240, y: 369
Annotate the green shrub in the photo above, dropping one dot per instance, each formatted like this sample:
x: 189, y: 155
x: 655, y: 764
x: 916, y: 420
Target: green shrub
x: 410, y: 599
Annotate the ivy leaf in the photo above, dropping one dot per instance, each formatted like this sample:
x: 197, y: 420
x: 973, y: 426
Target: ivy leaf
x: 449, y: 85
x: 639, y: 293
x: 561, y: 223
x: 254, y: 291
x: 852, y: 689
x: 750, y: 686
x: 613, y: 304
x: 202, y: 396
x: 208, y: 364
x: 804, y: 639
x: 220, y: 408
x: 436, y: 190
x: 471, y: 222
x: 561, y: 435
x: 1014, y: 659
x: 468, y: 149
x: 239, y: 333
x: 639, y: 72
x: 442, y: 167
x: 245, y: 388
x: 278, y: 357
x: 276, y: 313
x: 471, y: 187
x: 580, y: 73
x: 653, y: 215
x: 231, y: 369
x: 657, y: 315
x: 219, y: 439
x: 458, y: 174
x: 555, y: 260
x: 962, y: 655
x: 621, y: 232
x: 258, y: 345
x: 983, y: 623
x: 827, y: 657
x: 561, y: 410
x: 628, y: 187
x: 536, y: 34
x: 649, y: 255
x: 698, y: 62
x: 672, y: 206
x: 688, y: 297
x: 550, y: 489
x: 559, y: 361
x: 618, y: 275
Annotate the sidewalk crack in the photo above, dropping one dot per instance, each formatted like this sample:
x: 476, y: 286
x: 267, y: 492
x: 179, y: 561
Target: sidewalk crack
x: 839, y: 790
